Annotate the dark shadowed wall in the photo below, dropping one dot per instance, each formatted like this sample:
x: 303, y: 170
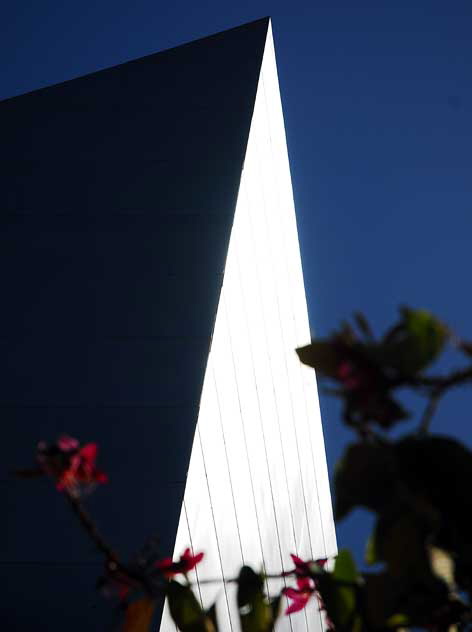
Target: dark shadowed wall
x: 118, y: 192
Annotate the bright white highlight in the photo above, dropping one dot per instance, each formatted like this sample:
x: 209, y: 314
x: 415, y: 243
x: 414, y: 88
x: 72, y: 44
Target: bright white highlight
x: 257, y: 486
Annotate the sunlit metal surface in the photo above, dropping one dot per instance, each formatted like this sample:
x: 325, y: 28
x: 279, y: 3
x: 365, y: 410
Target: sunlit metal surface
x: 257, y: 486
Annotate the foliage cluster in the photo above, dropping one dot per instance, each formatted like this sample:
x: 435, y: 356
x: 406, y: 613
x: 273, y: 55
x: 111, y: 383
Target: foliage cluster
x: 416, y: 486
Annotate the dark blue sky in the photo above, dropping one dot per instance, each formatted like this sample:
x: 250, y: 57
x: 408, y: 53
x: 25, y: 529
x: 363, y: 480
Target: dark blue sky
x: 378, y: 111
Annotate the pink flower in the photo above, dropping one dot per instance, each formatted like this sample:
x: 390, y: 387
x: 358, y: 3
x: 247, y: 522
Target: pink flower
x: 185, y: 564
x: 71, y: 465
x: 348, y: 376
x: 67, y: 444
x: 82, y: 469
x: 299, y: 596
x: 308, y: 568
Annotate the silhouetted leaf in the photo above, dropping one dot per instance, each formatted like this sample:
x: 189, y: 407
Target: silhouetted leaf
x: 401, y: 537
x: 186, y: 610
x: 363, y: 325
x: 211, y: 614
x: 466, y: 347
x: 415, y: 342
x: 365, y: 476
x: 373, y: 404
x: 139, y: 614
x: 438, y: 469
x: 379, y: 592
x: 256, y: 613
x: 338, y: 591
x: 322, y: 356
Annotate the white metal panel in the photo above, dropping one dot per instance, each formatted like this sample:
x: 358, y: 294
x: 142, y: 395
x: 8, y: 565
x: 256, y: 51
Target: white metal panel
x: 257, y: 487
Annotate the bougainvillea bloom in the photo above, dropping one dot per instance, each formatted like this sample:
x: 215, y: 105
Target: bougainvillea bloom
x: 349, y: 376
x: 306, y: 569
x: 67, y: 444
x: 82, y: 469
x: 185, y: 564
x: 299, y: 596
x: 71, y: 465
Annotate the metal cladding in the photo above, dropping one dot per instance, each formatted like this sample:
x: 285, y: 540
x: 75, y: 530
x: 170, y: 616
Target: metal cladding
x: 151, y: 279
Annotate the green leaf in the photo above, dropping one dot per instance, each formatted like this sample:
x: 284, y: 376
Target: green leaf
x: 415, y: 342
x: 345, y: 567
x: 186, y: 611
x: 398, y: 620
x: 340, y: 599
x: 139, y: 614
x: 256, y: 613
x: 370, y: 554
x: 364, y: 477
x: 322, y: 356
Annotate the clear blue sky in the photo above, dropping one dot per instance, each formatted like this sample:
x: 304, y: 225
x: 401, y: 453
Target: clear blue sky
x: 378, y: 109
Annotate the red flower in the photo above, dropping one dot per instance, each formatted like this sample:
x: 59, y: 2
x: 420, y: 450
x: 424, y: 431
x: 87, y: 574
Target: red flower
x: 82, y: 469
x: 186, y: 563
x: 301, y: 595
x: 67, y: 444
x: 349, y: 376
x: 71, y: 465
x: 308, y: 568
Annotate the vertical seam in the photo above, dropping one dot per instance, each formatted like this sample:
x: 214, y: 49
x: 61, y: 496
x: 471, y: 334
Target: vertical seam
x: 214, y: 526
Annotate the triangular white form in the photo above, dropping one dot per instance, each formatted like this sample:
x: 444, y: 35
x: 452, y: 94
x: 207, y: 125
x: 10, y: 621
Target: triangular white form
x: 257, y: 486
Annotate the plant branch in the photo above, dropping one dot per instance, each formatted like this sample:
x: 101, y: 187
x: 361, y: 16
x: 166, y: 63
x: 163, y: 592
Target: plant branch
x: 91, y: 528
x: 442, y: 383
x: 429, y: 411
x: 113, y: 563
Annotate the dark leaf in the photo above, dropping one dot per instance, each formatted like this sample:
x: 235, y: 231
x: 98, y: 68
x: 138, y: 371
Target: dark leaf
x: 466, y: 347
x: 438, y: 469
x: 379, y: 601
x: 373, y: 404
x: 339, y: 591
x: 363, y: 325
x: 365, y: 477
x: 401, y: 540
x: 323, y: 356
x: 186, y: 610
x: 211, y: 614
x: 256, y: 613
x: 415, y: 342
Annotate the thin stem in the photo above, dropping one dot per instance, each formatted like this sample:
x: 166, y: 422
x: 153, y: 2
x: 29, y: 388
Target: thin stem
x: 456, y: 378
x: 234, y: 580
x: 429, y: 411
x: 113, y: 563
x: 91, y: 528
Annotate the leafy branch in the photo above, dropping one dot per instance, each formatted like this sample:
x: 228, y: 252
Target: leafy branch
x: 413, y: 485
